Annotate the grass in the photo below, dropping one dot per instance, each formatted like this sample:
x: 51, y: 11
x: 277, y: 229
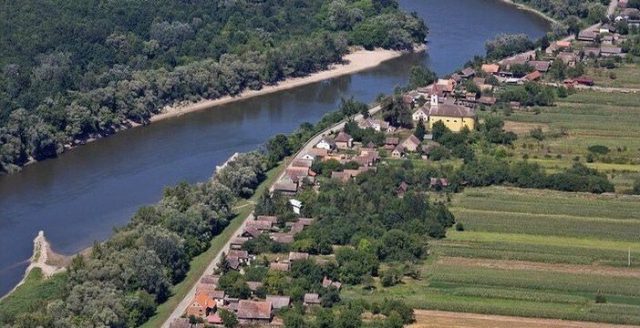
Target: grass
x: 33, y: 294
x: 581, y: 120
x: 570, y: 247
x: 626, y: 76
x: 199, y: 264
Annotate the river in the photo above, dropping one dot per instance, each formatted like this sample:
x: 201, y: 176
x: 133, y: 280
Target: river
x: 79, y: 197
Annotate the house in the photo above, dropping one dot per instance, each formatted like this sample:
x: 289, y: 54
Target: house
x: 608, y: 51
x: 326, y: 144
x: 587, y: 35
x: 607, y: 40
x: 326, y: 283
x: 398, y: 152
x: 287, y: 188
x: 311, y: 299
x: 467, y: 73
x: 262, y: 225
x: 218, y: 296
x: 446, y: 85
x: 254, y: 285
x: 343, y: 140
x: 269, y: 218
x: 296, y: 228
x: 250, y: 232
x: 279, y: 302
x: 296, y: 205
x: 206, y: 288
x: 533, y: 76
x: 411, y: 143
x: 302, y: 162
x: 491, y: 68
x: 209, y: 279
x: 370, y: 123
x: 421, y: 114
x: 584, y: 80
x: 340, y: 176
x: 297, y: 173
x: 540, y: 65
x: 392, y: 142
x: 242, y: 256
x: 214, y: 319
x: 237, y: 242
x: 279, y: 266
x: 402, y: 189
x: 184, y: 323
x: 318, y: 152
x: 282, y: 237
x: 438, y: 183
x: 592, y: 52
x: 568, y: 58
x: 201, y: 306
x: 254, y: 312
x: 298, y: 256
x: 454, y: 117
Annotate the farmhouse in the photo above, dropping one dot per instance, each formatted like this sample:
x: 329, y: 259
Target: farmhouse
x: 326, y: 144
x: 254, y: 312
x: 343, y: 140
x: 411, y: 143
x: 420, y: 114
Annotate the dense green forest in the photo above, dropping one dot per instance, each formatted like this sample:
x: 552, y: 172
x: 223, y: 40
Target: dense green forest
x: 574, y: 14
x: 74, y: 70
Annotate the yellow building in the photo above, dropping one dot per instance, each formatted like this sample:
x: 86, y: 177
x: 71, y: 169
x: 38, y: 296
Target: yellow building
x: 454, y: 117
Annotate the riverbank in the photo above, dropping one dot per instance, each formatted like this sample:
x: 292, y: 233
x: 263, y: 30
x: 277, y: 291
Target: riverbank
x: 44, y: 259
x: 354, y: 62
x: 531, y: 10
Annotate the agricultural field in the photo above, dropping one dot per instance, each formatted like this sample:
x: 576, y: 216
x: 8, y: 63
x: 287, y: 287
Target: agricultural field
x: 575, y: 124
x: 625, y: 76
x: 532, y: 253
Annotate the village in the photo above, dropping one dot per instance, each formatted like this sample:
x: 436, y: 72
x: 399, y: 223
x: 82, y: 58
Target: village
x: 452, y: 102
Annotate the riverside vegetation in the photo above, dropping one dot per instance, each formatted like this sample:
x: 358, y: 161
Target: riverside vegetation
x: 75, y: 71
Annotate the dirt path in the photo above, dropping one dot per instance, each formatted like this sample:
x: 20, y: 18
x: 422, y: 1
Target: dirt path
x: 539, y: 266
x: 442, y: 319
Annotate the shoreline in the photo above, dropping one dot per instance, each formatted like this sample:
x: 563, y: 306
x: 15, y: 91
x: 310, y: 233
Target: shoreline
x: 356, y: 61
x: 531, y: 10
x: 42, y: 258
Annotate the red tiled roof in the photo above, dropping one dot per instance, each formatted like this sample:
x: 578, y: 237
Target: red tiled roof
x: 254, y: 310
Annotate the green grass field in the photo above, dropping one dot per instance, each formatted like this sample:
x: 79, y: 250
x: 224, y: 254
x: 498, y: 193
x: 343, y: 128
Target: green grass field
x: 585, y: 119
x: 626, y: 76
x: 33, y: 294
x: 535, y: 253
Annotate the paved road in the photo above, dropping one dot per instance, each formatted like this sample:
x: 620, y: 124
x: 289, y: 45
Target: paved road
x: 184, y: 303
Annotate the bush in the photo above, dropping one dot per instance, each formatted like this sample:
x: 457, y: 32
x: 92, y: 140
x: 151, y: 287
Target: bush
x: 600, y: 299
x: 459, y: 226
x: 599, y: 149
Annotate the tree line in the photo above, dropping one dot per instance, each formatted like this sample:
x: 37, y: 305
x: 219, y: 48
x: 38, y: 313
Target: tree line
x: 84, y: 70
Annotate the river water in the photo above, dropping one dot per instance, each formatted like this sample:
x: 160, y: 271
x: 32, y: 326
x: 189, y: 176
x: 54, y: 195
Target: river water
x: 79, y: 197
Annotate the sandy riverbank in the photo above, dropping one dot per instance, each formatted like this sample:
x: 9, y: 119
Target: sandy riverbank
x: 43, y: 258
x: 354, y: 62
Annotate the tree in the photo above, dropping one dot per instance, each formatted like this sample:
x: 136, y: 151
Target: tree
x: 636, y: 187
x: 348, y: 318
x: 421, y: 130
x: 229, y: 319
x: 421, y: 76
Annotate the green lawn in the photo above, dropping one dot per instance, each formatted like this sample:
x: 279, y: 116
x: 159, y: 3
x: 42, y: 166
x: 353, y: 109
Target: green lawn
x: 570, y: 247
x: 199, y: 264
x: 33, y: 294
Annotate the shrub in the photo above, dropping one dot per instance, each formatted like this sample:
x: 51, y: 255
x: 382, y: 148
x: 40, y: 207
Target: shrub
x: 600, y: 298
x: 459, y: 226
x: 599, y: 149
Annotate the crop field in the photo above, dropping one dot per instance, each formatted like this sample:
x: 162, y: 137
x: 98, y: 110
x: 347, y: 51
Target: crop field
x: 625, y: 76
x: 532, y: 253
x: 579, y: 121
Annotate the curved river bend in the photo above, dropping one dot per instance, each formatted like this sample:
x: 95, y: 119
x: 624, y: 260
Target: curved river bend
x: 77, y: 198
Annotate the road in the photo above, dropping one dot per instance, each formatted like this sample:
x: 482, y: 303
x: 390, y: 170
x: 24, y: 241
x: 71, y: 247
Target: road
x: 184, y: 303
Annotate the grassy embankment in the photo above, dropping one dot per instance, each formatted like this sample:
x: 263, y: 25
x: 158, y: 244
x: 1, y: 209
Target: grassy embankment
x: 534, y: 253
x: 584, y: 119
x: 625, y: 76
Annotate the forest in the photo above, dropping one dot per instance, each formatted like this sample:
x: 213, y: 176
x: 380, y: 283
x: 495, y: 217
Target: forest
x: 74, y: 71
